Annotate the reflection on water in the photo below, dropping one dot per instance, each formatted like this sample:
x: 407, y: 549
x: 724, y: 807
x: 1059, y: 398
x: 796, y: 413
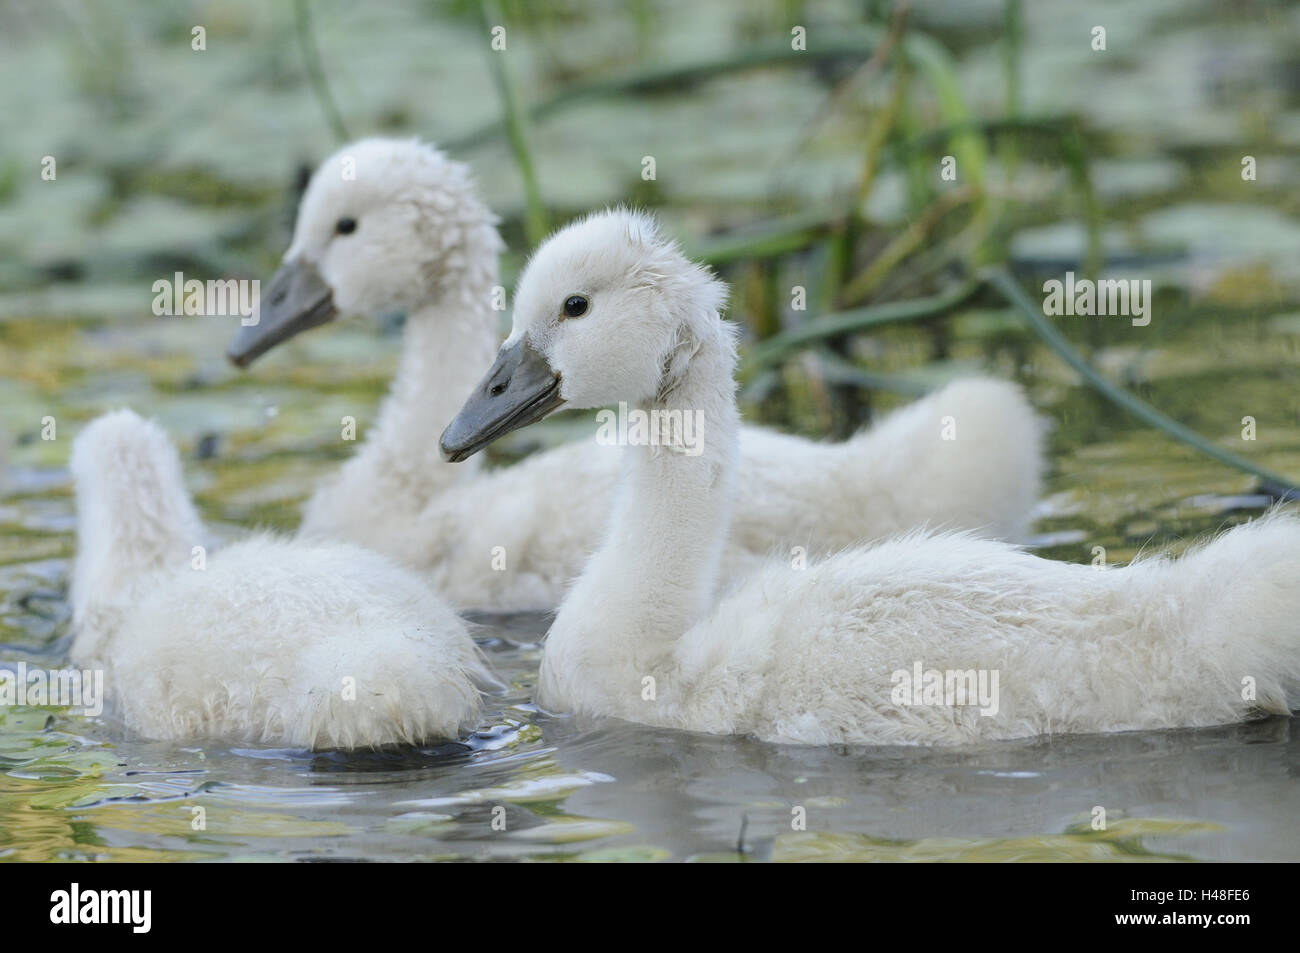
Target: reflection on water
x: 531, y: 786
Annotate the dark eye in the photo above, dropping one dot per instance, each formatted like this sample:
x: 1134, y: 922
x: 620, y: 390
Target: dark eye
x: 575, y: 306
x: 346, y: 226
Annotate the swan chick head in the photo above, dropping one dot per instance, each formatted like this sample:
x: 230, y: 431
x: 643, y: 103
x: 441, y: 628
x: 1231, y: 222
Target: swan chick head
x: 607, y: 310
x: 384, y: 226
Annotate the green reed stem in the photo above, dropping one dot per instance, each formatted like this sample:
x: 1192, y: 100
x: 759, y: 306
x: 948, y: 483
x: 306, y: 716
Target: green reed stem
x: 779, y: 346
x: 1009, y: 288
x: 315, y: 73
x: 536, y: 224
x: 855, y: 45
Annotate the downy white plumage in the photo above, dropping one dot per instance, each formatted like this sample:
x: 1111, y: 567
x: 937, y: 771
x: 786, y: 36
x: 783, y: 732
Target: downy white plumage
x: 815, y: 656
x: 390, y: 225
x: 266, y: 641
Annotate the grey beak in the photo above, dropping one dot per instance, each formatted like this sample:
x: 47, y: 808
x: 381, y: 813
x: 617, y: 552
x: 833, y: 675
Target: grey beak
x: 519, y: 389
x: 295, y: 300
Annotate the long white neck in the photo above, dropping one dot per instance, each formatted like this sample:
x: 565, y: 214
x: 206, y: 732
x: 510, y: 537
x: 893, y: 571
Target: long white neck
x: 655, y: 574
x: 446, y: 347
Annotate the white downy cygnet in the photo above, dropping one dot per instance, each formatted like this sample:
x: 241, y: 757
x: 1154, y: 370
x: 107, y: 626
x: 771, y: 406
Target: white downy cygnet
x: 393, y: 225
x: 268, y: 640
x: 1022, y: 646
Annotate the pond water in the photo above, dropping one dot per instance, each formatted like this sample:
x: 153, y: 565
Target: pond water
x: 533, y: 787
x: 175, y: 161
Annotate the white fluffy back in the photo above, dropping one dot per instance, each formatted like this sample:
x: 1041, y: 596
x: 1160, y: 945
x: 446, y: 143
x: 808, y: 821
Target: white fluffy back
x: 279, y: 642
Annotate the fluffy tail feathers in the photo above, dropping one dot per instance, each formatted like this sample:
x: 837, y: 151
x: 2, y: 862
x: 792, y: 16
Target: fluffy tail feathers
x: 133, y: 514
x: 968, y: 456
x: 1241, y: 596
